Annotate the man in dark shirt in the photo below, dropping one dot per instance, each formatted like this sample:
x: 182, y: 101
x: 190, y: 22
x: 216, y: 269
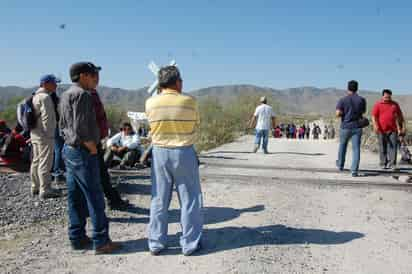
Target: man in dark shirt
x: 114, y: 200
x: 81, y: 135
x: 350, y: 109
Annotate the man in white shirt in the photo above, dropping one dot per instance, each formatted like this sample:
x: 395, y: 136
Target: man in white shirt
x: 264, y: 119
x: 125, y: 145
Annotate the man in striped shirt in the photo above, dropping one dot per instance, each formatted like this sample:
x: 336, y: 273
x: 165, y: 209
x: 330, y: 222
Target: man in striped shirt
x: 174, y: 123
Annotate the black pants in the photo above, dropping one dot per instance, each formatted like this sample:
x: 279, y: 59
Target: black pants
x: 112, y: 195
x: 388, y: 147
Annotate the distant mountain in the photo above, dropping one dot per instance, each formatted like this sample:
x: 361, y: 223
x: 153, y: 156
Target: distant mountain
x: 302, y: 100
x: 132, y: 100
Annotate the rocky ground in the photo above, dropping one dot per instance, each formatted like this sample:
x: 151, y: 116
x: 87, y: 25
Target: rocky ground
x: 286, y: 212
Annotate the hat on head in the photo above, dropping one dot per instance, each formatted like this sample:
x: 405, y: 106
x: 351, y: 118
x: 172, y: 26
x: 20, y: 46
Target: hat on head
x: 82, y: 67
x: 49, y: 78
x: 263, y: 99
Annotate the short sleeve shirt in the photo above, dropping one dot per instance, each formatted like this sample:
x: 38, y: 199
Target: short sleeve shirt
x: 352, y: 108
x: 386, y: 114
x: 264, y: 114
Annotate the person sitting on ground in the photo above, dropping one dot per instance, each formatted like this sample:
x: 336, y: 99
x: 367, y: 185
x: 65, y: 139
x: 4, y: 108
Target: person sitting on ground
x: 12, y: 147
x: 126, y: 145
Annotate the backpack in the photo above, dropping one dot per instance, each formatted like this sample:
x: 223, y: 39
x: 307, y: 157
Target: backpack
x: 25, y: 114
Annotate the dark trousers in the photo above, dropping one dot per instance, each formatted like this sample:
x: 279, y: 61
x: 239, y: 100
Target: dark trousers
x: 112, y: 195
x: 85, y: 196
x: 129, y: 158
x: 388, y: 147
x: 58, y: 163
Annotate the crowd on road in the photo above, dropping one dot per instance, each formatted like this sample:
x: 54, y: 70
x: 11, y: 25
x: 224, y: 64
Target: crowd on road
x: 387, y: 120
x: 69, y: 141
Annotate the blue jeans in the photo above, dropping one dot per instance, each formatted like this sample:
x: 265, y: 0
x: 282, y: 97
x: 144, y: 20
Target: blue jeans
x: 58, y: 163
x: 85, y: 196
x: 175, y: 167
x: 262, y: 133
x: 345, y: 135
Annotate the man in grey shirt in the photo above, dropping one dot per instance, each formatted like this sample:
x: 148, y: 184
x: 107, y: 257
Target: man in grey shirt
x: 81, y: 135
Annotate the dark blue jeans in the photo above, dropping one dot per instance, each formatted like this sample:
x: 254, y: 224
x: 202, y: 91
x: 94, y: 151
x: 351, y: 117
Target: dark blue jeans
x: 85, y: 196
x: 262, y: 134
x: 345, y: 135
x: 58, y: 163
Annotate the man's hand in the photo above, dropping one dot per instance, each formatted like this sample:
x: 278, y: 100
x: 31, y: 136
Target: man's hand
x: 91, y: 147
x: 122, y: 149
x: 376, y: 130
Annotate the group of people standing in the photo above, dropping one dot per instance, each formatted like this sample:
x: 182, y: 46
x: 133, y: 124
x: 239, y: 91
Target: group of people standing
x: 387, y: 120
x: 81, y: 122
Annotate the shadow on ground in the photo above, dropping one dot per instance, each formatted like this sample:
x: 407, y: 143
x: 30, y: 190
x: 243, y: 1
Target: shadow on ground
x: 273, y: 153
x: 212, y: 215
x: 133, y: 188
x: 228, y: 238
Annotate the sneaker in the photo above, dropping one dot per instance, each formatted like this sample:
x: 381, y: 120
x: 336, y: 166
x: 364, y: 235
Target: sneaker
x: 189, y: 253
x: 120, y: 205
x: 266, y: 152
x: 81, y: 244
x: 50, y: 194
x: 156, y: 252
x: 355, y: 174
x: 107, y: 248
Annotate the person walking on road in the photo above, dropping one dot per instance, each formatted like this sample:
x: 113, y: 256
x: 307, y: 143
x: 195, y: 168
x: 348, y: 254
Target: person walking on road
x: 81, y: 135
x: 42, y: 139
x: 174, y: 124
x: 264, y: 119
x: 350, y: 109
x: 388, y: 124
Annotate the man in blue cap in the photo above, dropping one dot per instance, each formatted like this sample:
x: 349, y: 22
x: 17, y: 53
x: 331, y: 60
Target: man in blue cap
x: 42, y: 138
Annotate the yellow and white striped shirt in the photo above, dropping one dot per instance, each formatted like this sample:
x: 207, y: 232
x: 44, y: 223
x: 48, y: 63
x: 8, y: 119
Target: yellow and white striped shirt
x: 173, y: 118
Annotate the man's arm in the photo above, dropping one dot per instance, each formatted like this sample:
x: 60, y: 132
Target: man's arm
x: 85, y: 123
x: 375, y: 124
x: 375, y: 117
x: 339, y: 109
x: 339, y: 113
x: 401, y: 123
x: 252, y: 122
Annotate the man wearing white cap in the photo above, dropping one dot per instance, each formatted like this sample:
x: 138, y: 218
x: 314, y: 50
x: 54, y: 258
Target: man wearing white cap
x: 264, y: 119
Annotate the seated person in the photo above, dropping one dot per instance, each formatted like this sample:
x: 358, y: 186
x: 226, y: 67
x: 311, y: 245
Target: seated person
x: 12, y: 147
x: 125, y: 145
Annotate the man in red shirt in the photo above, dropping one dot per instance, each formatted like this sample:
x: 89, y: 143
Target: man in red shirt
x: 389, y: 124
x: 112, y: 195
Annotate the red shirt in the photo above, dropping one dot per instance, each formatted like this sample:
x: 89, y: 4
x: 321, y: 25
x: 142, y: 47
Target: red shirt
x: 386, y: 114
x: 101, y: 117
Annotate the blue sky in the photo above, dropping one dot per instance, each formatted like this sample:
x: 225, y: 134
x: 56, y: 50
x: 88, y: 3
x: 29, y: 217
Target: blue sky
x: 275, y: 44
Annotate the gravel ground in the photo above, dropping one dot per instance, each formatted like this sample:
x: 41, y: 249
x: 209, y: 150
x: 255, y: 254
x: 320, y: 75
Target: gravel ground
x: 18, y: 209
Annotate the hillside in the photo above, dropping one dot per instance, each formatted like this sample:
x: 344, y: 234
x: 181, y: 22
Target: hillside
x: 302, y: 100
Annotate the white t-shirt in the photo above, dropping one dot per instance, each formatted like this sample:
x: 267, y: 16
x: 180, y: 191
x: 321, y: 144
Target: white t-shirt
x: 264, y: 114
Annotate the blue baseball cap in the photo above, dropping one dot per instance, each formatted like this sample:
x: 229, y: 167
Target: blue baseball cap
x: 49, y: 78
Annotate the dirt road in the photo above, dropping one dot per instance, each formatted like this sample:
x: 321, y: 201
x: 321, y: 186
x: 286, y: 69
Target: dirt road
x: 286, y: 212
